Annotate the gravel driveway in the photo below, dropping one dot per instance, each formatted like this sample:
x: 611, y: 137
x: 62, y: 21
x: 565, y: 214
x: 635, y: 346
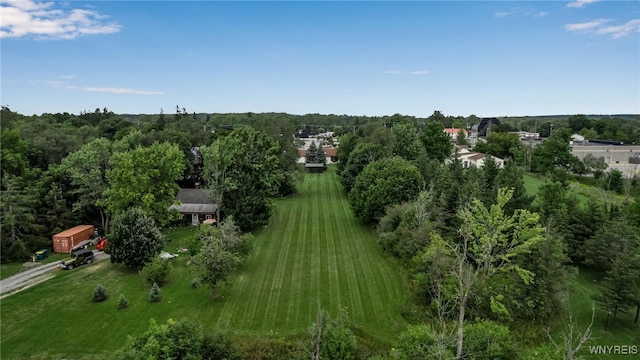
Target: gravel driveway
x: 35, y: 275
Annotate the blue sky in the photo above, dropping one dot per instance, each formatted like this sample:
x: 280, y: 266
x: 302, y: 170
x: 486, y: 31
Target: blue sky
x: 485, y: 58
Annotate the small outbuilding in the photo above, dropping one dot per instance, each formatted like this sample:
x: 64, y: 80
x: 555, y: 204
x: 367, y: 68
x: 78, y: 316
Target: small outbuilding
x: 196, y: 205
x: 315, y: 167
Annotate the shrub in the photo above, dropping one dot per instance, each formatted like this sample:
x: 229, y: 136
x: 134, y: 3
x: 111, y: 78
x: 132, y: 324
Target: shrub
x: 122, y: 302
x: 194, y: 244
x: 331, y: 338
x: 156, y: 271
x: 487, y: 340
x: 155, y: 294
x: 423, y: 342
x: 181, y: 339
x: 195, y: 283
x: 218, y: 346
x: 100, y: 293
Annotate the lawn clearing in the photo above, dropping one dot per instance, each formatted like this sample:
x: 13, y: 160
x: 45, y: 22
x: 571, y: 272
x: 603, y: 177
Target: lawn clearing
x: 532, y: 184
x: 623, y: 332
x: 313, y: 253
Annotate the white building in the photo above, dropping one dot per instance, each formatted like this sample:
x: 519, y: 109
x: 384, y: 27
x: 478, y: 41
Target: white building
x: 471, y: 158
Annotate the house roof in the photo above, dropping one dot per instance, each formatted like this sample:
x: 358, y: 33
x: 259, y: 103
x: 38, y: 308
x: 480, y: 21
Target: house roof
x: 330, y: 151
x: 194, y: 196
x: 454, y: 130
x: 467, y: 155
x: 477, y: 156
x: 195, y: 201
x: 195, y: 208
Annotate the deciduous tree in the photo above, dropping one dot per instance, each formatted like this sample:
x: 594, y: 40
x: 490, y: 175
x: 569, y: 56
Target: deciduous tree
x: 407, y: 144
x: 134, y: 239
x: 382, y: 183
x: 87, y: 168
x: 249, y: 160
x: 145, y: 178
x: 331, y: 338
x: 490, y: 242
x: 214, y: 262
x: 360, y: 157
x: 436, y: 142
x: 554, y: 152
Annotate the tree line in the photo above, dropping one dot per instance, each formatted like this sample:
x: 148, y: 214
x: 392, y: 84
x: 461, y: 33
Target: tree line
x: 59, y: 170
x: 481, y: 255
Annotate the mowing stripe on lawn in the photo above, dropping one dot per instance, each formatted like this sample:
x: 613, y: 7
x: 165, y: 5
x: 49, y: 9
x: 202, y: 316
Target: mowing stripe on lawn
x: 312, y: 252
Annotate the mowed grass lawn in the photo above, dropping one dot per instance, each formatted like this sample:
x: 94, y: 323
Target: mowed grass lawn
x: 622, y: 332
x: 313, y: 253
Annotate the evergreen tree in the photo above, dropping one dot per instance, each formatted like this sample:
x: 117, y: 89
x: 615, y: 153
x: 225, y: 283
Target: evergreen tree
x: 512, y: 177
x: 312, y: 154
x: 321, y: 156
x: 122, y: 302
x: 100, y: 293
x: 621, y: 286
x: 17, y: 218
x: 155, y: 294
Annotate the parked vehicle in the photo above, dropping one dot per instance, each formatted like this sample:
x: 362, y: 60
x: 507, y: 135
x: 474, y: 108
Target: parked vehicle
x: 80, y: 257
x: 101, y: 244
x: 66, y: 241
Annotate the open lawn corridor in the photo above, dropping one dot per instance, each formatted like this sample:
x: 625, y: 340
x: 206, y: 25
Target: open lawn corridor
x: 313, y: 253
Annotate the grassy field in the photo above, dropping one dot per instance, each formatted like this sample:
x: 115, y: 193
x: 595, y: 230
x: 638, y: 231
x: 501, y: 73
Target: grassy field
x: 532, y: 184
x: 622, y: 332
x: 313, y: 253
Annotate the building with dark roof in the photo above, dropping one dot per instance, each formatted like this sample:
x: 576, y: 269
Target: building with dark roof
x: 196, y: 205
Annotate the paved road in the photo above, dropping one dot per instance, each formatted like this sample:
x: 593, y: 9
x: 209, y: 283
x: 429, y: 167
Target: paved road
x: 31, y: 276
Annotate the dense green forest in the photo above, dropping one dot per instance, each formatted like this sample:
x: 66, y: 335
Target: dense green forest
x: 485, y: 261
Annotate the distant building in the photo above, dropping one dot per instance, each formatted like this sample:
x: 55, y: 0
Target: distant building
x: 525, y: 135
x: 330, y: 151
x: 471, y: 158
x: 453, y: 132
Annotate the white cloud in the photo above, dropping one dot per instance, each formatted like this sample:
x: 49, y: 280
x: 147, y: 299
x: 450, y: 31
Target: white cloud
x: 521, y: 11
x: 580, y: 3
x: 630, y: 27
x: 419, y: 72
x: 112, y: 90
x: 393, y: 72
x: 40, y: 19
x: 585, y: 25
x: 597, y: 27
